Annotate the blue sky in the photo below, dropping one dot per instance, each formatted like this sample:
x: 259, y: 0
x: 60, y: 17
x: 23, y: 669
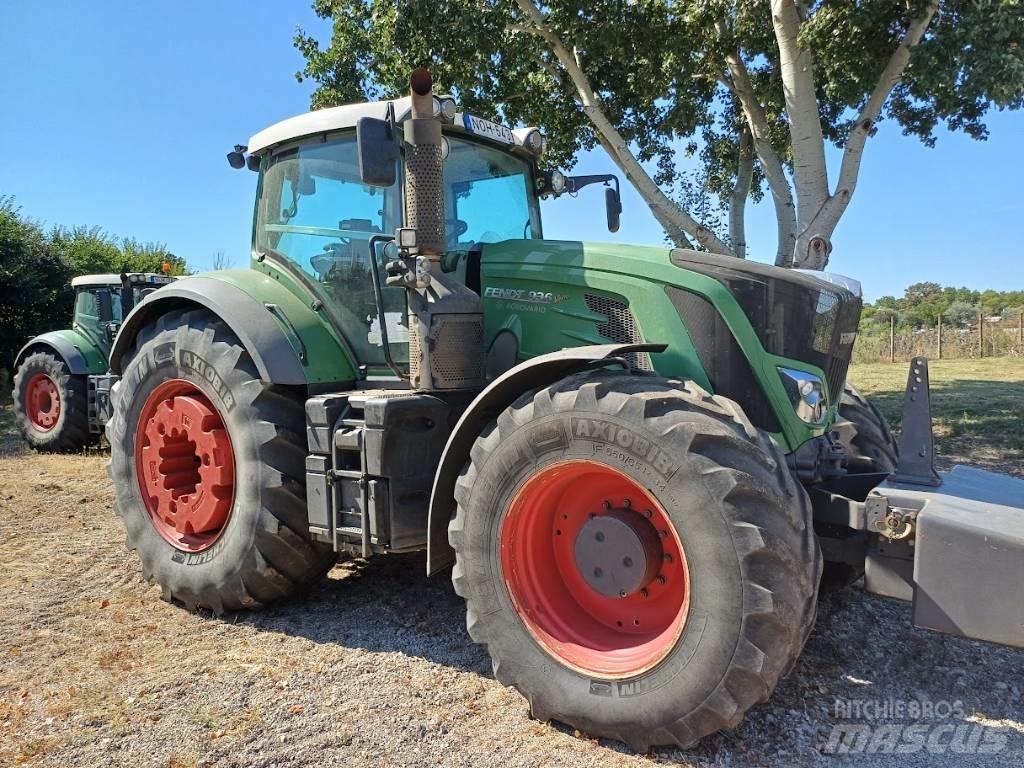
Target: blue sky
x: 119, y: 114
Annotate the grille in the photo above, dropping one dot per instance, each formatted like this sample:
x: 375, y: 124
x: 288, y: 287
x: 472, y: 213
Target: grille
x: 415, y: 356
x: 453, y: 362
x: 424, y: 196
x: 793, y: 314
x: 619, y: 326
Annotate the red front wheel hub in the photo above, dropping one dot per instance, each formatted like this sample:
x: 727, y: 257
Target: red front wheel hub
x: 42, y: 402
x: 184, y: 465
x: 595, y: 569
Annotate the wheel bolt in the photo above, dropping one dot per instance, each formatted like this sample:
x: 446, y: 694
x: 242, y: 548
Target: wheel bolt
x: 644, y: 592
x: 622, y: 593
x: 627, y: 503
x: 663, y: 534
x: 661, y: 579
x: 606, y: 504
x: 648, y: 514
x: 667, y: 557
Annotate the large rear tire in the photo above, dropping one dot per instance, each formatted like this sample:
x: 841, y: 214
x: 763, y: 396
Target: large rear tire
x: 51, y: 404
x: 208, y: 466
x: 870, y: 446
x: 706, y: 614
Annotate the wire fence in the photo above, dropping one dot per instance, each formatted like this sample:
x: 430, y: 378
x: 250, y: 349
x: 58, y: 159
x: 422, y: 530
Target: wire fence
x: 986, y: 337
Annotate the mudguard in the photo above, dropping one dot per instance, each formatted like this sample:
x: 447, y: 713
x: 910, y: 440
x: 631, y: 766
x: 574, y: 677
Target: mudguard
x: 536, y: 372
x: 78, y: 352
x: 277, y: 330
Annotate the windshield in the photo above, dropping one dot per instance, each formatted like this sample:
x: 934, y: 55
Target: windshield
x: 314, y: 212
x: 487, y: 196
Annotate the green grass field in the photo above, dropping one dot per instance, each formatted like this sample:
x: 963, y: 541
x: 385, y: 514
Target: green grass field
x: 977, y: 405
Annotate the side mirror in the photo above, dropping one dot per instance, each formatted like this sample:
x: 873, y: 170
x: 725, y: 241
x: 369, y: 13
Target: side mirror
x: 378, y: 152
x: 613, y: 208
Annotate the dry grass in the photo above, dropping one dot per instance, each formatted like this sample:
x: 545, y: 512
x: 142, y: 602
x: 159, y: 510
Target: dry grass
x: 372, y: 668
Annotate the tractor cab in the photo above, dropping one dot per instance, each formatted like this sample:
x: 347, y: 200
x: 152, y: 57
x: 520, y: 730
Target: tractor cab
x: 102, y: 302
x: 327, y: 217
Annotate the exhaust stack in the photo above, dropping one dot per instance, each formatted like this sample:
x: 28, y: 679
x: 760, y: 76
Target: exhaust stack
x: 446, y: 321
x: 424, y: 191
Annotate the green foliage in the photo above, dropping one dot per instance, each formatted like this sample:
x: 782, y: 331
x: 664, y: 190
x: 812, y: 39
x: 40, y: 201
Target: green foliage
x: 922, y: 303
x: 658, y: 67
x: 33, y: 280
x: 36, y: 268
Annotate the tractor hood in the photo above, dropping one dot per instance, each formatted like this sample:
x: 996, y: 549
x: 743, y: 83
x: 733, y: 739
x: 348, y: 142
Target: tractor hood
x: 731, y: 325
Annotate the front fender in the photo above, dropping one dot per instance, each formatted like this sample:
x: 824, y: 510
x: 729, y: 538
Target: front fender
x: 289, y: 343
x: 536, y: 372
x: 80, y: 354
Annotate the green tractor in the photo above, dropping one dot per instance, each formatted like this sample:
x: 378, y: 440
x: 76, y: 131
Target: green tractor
x: 61, y: 383
x: 628, y: 453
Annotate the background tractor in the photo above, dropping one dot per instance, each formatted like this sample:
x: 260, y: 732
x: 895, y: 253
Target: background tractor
x: 628, y: 453
x: 61, y: 382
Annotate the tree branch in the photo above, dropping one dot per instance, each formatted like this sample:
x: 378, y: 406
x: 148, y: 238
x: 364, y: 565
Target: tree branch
x: 810, y: 175
x: 671, y: 216
x: 853, y: 151
x: 782, y: 196
x: 740, y: 192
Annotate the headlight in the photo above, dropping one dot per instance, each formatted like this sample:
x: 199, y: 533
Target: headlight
x: 807, y: 394
x: 557, y: 182
x: 530, y: 139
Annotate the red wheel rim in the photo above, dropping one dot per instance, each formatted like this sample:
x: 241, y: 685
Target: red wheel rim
x: 554, y: 587
x: 184, y: 465
x: 42, y: 402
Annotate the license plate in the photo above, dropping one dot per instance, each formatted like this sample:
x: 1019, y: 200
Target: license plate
x: 482, y: 127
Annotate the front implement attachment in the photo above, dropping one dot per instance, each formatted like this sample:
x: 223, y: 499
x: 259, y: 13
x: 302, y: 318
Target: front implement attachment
x: 950, y: 542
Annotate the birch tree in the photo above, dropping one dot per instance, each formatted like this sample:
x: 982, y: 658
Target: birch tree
x: 754, y: 90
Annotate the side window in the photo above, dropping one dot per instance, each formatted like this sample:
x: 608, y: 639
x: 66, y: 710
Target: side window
x: 315, y: 212
x: 86, y: 304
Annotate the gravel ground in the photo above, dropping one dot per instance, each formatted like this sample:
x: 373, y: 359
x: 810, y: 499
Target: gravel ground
x: 374, y: 667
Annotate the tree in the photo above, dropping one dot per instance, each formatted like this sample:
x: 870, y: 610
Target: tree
x: 90, y: 250
x: 960, y: 314
x: 33, y: 281
x: 754, y: 89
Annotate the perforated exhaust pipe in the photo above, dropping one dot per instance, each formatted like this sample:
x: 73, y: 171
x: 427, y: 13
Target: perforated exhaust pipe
x: 446, y: 321
x: 424, y: 168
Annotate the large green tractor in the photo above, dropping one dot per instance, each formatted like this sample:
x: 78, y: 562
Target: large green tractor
x: 61, y: 383
x: 627, y: 452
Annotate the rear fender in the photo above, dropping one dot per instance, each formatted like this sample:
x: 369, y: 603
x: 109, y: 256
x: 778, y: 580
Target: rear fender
x: 536, y: 372
x: 287, y: 340
x: 78, y: 353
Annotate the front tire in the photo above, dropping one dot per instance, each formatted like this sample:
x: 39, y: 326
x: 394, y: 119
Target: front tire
x: 870, y: 446
x: 688, y: 647
x: 208, y: 464
x: 51, y: 404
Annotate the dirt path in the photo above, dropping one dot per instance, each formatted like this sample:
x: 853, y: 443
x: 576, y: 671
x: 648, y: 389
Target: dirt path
x: 374, y: 667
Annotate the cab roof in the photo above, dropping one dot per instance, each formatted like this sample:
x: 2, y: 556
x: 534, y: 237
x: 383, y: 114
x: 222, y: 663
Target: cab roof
x: 115, y: 279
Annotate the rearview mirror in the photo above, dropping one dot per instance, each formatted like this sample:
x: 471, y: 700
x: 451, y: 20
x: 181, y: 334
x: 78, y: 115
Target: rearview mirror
x: 613, y: 208
x: 378, y: 152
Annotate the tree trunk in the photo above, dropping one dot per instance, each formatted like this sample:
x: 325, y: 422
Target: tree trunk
x: 740, y: 192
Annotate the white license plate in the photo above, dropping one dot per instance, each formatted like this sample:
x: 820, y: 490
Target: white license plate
x: 482, y: 127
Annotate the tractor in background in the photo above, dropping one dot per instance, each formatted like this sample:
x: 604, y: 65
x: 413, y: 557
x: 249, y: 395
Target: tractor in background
x: 61, y: 382
x: 628, y: 455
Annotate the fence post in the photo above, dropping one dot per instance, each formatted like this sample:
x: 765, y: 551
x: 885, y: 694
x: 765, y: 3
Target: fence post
x: 938, y: 341
x: 1020, y: 330
x: 892, y: 339
x: 981, y: 335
